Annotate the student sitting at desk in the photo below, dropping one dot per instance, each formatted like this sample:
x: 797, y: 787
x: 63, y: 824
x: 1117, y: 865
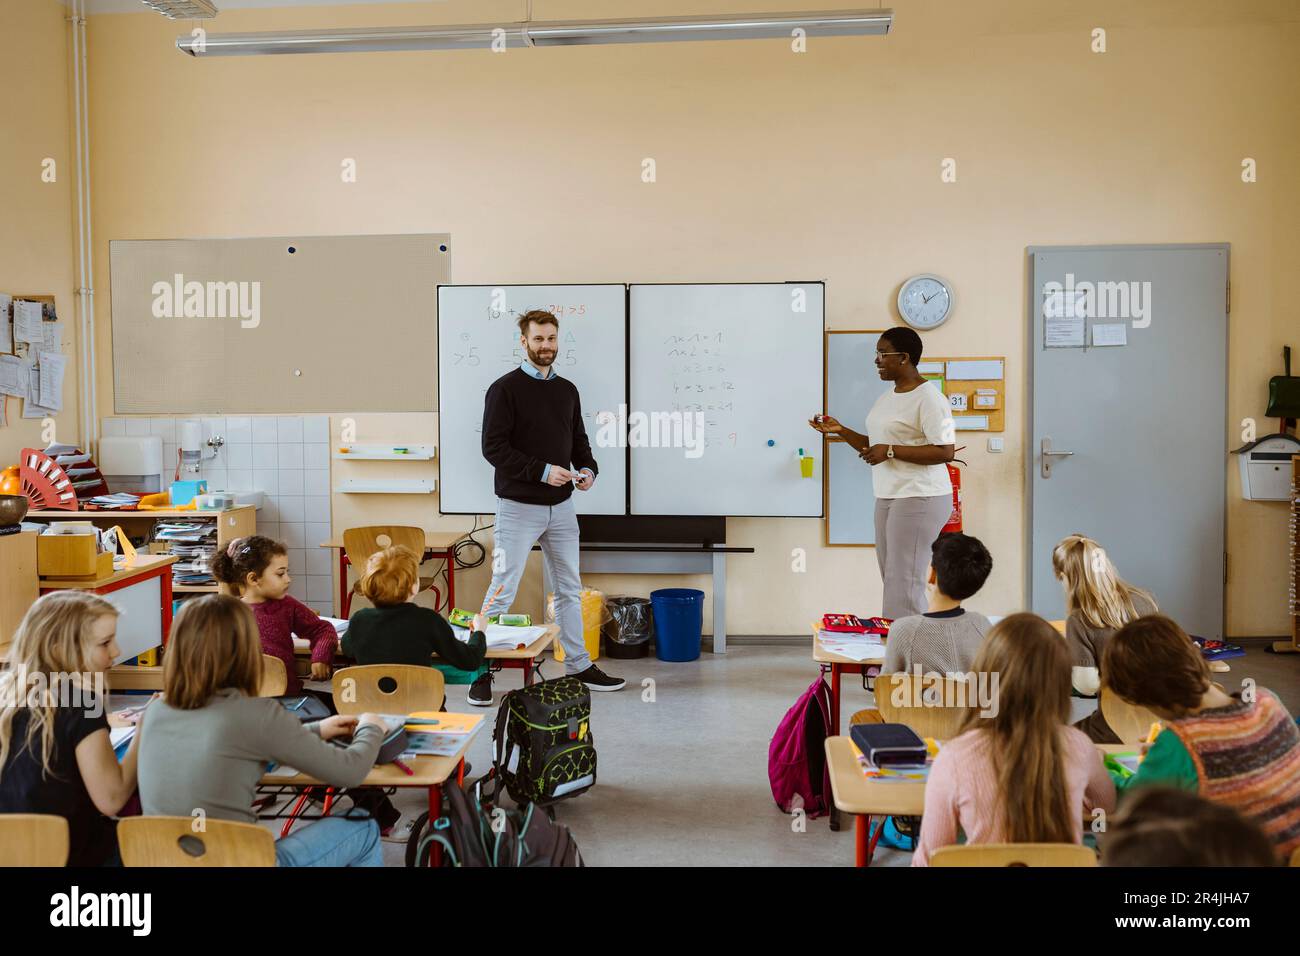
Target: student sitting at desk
x: 946, y: 638
x: 256, y: 569
x: 1244, y: 753
x: 1017, y: 773
x: 55, y: 752
x: 398, y: 631
x: 207, y: 743
x: 1099, y: 602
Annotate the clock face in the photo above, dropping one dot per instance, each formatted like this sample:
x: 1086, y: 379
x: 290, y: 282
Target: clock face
x: 925, y: 301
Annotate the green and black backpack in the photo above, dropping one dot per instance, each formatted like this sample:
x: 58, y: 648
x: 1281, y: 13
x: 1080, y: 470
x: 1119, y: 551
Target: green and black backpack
x: 542, y: 747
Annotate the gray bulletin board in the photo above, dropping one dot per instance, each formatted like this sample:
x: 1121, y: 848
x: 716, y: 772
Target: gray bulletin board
x: 289, y: 324
x: 852, y: 387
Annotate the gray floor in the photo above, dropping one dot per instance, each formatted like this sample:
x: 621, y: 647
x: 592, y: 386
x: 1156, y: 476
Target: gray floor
x: 683, y: 770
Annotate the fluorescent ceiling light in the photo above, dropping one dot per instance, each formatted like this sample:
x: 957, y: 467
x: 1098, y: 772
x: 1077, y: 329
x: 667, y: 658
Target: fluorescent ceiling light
x: 183, y: 9
x: 756, y: 26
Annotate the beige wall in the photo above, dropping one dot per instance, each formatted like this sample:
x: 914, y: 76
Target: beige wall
x: 37, y: 238
x: 771, y: 165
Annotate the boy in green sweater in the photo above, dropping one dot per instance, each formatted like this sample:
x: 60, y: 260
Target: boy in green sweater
x: 398, y: 631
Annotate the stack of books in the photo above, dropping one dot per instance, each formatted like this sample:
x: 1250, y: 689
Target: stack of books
x: 193, y: 542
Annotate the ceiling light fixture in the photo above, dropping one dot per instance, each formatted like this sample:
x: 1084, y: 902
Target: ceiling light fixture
x: 183, y: 9
x: 756, y: 26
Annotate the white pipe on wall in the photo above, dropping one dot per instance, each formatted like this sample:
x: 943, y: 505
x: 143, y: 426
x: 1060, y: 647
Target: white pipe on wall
x: 88, y: 419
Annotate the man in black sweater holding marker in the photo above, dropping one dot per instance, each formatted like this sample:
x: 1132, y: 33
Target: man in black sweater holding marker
x: 533, y: 436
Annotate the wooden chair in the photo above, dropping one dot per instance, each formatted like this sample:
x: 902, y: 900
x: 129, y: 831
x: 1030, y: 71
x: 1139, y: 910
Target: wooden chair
x: 387, y: 689
x: 33, y: 839
x: 1295, y: 857
x: 1130, y: 722
x: 360, y: 543
x: 1059, y: 626
x: 275, y: 681
x: 171, y: 841
x: 1015, y: 854
x: 940, y: 722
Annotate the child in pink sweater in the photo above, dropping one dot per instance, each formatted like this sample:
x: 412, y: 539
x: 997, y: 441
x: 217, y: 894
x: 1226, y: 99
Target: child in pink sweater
x: 256, y: 569
x: 1017, y: 773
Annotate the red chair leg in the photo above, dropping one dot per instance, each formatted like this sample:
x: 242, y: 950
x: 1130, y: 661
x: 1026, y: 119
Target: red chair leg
x: 329, y: 801
x: 293, y: 814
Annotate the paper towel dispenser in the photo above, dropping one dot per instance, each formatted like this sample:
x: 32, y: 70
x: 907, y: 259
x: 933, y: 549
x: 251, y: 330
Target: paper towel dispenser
x: 1266, y: 467
x: 132, y: 463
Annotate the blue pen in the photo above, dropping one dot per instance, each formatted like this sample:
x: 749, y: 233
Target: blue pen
x: 298, y: 705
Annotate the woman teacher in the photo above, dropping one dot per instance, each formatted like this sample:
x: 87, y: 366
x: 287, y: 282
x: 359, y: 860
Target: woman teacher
x: 908, y: 443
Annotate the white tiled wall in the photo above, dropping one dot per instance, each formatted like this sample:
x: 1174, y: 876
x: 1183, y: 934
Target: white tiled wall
x: 287, y: 458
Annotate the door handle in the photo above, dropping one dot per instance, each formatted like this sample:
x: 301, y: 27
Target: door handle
x: 1048, y: 454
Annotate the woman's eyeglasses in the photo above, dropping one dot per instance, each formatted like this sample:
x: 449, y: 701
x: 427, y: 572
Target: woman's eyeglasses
x: 881, y: 355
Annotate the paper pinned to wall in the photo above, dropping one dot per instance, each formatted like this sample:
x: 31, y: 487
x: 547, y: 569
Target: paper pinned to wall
x: 53, y: 336
x: 27, y: 323
x: 6, y: 329
x: 978, y: 370
x: 32, y: 408
x: 1110, y: 333
x: 1063, y: 334
x: 13, y: 376
x: 52, y: 368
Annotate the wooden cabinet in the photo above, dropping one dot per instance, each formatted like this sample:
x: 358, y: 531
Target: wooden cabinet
x: 19, y: 584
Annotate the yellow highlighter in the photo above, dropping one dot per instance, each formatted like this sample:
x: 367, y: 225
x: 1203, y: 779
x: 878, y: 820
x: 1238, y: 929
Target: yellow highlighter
x: 1154, y: 732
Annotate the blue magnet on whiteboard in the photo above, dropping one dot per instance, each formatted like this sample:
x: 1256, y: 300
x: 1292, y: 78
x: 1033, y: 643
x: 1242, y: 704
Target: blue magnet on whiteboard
x: 770, y: 443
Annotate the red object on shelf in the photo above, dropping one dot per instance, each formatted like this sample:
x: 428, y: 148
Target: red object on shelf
x: 47, y: 485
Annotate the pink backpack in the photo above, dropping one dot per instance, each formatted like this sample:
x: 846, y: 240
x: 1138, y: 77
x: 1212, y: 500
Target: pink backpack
x: 796, y: 758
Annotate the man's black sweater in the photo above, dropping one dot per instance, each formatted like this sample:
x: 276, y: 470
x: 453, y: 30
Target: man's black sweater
x: 529, y: 423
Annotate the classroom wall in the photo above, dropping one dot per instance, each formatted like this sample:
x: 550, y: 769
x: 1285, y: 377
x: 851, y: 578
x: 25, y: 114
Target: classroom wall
x: 38, y: 237
x: 770, y: 165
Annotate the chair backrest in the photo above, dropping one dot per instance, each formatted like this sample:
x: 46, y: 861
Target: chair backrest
x: 1295, y: 857
x: 33, y: 839
x: 172, y: 841
x: 387, y: 689
x: 1059, y: 626
x: 1130, y: 722
x: 1014, y: 854
x: 902, y: 699
x: 275, y: 681
x: 360, y: 543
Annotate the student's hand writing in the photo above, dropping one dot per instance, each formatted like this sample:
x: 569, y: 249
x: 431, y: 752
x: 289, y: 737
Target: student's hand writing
x: 340, y: 725
x: 320, y: 670
x: 371, y: 720
x: 874, y: 455
x: 584, y: 480
x: 479, y: 623
x: 559, y: 476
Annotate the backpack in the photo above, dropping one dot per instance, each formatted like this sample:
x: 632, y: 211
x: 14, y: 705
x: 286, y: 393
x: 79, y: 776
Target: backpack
x: 796, y: 758
x: 473, y: 832
x: 542, y: 746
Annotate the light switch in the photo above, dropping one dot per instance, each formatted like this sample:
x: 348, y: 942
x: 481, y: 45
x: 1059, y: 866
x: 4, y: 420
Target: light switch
x: 995, y: 445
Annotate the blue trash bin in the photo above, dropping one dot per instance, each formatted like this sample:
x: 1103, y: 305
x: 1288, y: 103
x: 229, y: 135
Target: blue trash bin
x: 678, y: 622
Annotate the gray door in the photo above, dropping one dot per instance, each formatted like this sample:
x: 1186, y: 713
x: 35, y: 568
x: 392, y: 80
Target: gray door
x: 1141, y: 427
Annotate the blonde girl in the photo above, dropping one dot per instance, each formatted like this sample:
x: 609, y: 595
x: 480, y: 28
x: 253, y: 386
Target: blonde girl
x: 55, y: 752
x: 1098, y: 602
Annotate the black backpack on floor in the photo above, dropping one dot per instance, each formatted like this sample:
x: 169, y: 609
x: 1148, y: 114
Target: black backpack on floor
x: 542, y: 746
x: 474, y: 832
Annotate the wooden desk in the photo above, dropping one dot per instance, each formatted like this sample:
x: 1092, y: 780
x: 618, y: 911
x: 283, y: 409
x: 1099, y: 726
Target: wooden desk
x: 436, y: 544
x: 854, y: 793
x: 428, y: 772
x: 137, y: 632
x: 838, y: 665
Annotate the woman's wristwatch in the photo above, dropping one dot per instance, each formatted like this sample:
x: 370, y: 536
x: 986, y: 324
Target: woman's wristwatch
x: 889, y: 452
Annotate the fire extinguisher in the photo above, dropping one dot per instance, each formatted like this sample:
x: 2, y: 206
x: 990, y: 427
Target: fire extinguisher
x: 954, y: 520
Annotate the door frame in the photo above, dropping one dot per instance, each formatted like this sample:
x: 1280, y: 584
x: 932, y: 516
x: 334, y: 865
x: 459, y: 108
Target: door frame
x: 1031, y: 356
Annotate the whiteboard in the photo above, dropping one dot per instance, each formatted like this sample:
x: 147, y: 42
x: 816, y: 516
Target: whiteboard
x: 478, y: 342
x: 746, y: 358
